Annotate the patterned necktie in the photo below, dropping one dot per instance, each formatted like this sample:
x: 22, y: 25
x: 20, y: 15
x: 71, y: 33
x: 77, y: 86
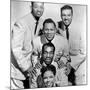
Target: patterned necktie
x: 36, y: 27
x: 67, y: 33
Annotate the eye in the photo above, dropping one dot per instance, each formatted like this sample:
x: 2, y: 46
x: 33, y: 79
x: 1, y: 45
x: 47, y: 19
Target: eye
x: 45, y: 53
x: 51, y: 29
x: 45, y: 78
x: 41, y: 7
x: 46, y: 30
x: 63, y: 15
x: 51, y: 76
x: 51, y: 52
x: 35, y: 6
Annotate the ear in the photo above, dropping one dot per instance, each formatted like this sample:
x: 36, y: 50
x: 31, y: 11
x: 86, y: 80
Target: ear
x: 43, y: 30
x: 55, y: 29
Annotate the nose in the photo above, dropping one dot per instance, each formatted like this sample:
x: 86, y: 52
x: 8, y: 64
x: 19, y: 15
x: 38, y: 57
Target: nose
x: 66, y: 17
x: 48, y: 80
x: 49, y: 31
x: 48, y: 55
x: 39, y: 9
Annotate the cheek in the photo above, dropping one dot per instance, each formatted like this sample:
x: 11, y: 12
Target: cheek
x: 52, y: 32
x: 41, y: 10
x: 51, y: 79
x: 51, y: 55
x: 34, y: 11
x: 45, y: 80
x: 63, y: 17
x: 44, y: 55
x: 45, y: 33
x: 70, y: 18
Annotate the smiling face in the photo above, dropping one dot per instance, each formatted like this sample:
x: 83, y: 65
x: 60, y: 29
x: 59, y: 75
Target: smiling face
x: 48, y: 78
x: 48, y: 55
x: 37, y: 9
x: 49, y: 31
x: 66, y: 16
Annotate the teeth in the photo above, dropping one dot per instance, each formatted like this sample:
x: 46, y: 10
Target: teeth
x: 38, y: 12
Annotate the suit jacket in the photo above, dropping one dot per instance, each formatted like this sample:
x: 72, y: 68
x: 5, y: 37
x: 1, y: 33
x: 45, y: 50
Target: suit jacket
x: 76, y: 38
x: 77, y: 43
x: 22, y: 35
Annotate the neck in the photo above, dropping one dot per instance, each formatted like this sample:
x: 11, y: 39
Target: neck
x: 37, y: 18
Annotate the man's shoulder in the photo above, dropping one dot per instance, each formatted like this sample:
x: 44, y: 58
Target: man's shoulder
x: 60, y: 22
x: 24, y: 19
x: 60, y: 25
x: 59, y: 37
x: 36, y: 39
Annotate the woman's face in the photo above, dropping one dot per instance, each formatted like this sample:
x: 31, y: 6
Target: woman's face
x: 48, y: 78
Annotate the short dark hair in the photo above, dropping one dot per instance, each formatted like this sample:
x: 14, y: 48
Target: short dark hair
x: 67, y: 7
x: 48, y: 68
x: 49, y: 45
x: 32, y: 2
x: 49, y: 20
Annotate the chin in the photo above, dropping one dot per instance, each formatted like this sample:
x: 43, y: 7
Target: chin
x: 67, y: 24
x: 49, y: 85
x: 48, y: 63
x: 39, y: 15
x: 49, y: 39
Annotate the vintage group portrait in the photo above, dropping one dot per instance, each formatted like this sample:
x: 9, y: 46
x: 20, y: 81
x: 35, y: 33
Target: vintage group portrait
x: 48, y: 44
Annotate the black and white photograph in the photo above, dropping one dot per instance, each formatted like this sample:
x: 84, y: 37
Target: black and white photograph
x: 48, y: 44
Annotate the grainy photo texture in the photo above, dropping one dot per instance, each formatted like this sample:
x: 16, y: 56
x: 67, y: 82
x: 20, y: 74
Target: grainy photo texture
x: 48, y: 45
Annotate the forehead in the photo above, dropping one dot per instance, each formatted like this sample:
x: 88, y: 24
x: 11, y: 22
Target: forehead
x: 48, y: 49
x: 49, y: 25
x: 66, y: 11
x: 48, y: 73
x: 38, y: 4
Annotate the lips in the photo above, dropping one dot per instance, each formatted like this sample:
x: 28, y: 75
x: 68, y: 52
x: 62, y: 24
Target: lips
x: 38, y: 13
x: 48, y: 84
x: 49, y: 36
x: 48, y: 59
x: 66, y: 21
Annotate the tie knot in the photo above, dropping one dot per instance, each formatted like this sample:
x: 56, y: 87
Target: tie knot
x: 66, y: 27
x: 36, y: 22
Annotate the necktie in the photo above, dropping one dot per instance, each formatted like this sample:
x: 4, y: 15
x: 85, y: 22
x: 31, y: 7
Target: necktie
x: 67, y: 33
x: 36, y: 27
